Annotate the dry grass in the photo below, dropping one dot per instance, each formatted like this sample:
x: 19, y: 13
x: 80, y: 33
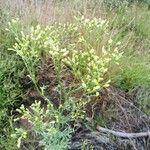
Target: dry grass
x: 49, y: 11
x: 115, y: 108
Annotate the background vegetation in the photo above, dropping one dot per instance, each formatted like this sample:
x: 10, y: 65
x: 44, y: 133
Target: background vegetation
x: 88, y: 46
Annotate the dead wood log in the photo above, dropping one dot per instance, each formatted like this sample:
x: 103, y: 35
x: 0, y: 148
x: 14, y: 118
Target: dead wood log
x: 124, y: 134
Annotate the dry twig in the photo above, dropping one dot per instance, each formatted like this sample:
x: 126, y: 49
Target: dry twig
x: 122, y: 134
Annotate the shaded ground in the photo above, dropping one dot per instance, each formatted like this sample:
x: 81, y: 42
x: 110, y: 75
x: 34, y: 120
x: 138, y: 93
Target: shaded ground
x: 118, y: 111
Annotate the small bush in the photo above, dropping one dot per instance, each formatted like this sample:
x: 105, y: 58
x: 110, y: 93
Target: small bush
x: 80, y: 54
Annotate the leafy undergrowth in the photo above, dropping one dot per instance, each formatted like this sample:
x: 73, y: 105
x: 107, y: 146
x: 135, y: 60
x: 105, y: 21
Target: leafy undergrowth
x: 60, y: 82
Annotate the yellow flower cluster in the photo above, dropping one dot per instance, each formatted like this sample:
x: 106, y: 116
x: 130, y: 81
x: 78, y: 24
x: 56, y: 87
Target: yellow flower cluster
x: 91, y: 23
x: 87, y: 66
x: 90, y: 68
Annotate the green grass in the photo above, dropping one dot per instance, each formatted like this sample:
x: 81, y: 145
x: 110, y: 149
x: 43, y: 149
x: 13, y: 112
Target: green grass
x: 132, y: 72
x: 68, y: 44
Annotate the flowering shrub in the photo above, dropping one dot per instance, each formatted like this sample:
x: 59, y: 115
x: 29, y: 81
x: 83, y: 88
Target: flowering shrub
x: 69, y: 44
x: 91, y: 24
x: 50, y: 125
x: 87, y: 66
x: 29, y: 46
x: 90, y: 68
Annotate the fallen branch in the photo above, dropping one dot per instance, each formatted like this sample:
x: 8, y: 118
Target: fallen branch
x: 122, y: 134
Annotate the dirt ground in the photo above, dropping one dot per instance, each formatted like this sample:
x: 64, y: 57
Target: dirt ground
x: 113, y: 109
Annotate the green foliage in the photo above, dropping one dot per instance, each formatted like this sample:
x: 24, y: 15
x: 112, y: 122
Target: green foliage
x: 7, y: 142
x: 11, y: 70
x: 84, y: 64
x: 11, y: 73
x: 90, y: 49
x: 10, y: 91
x: 133, y: 72
x: 90, y: 69
x: 50, y: 125
x: 113, y: 4
x: 87, y: 67
x: 142, y: 22
x: 10, y: 87
x: 143, y: 98
x: 123, y: 3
